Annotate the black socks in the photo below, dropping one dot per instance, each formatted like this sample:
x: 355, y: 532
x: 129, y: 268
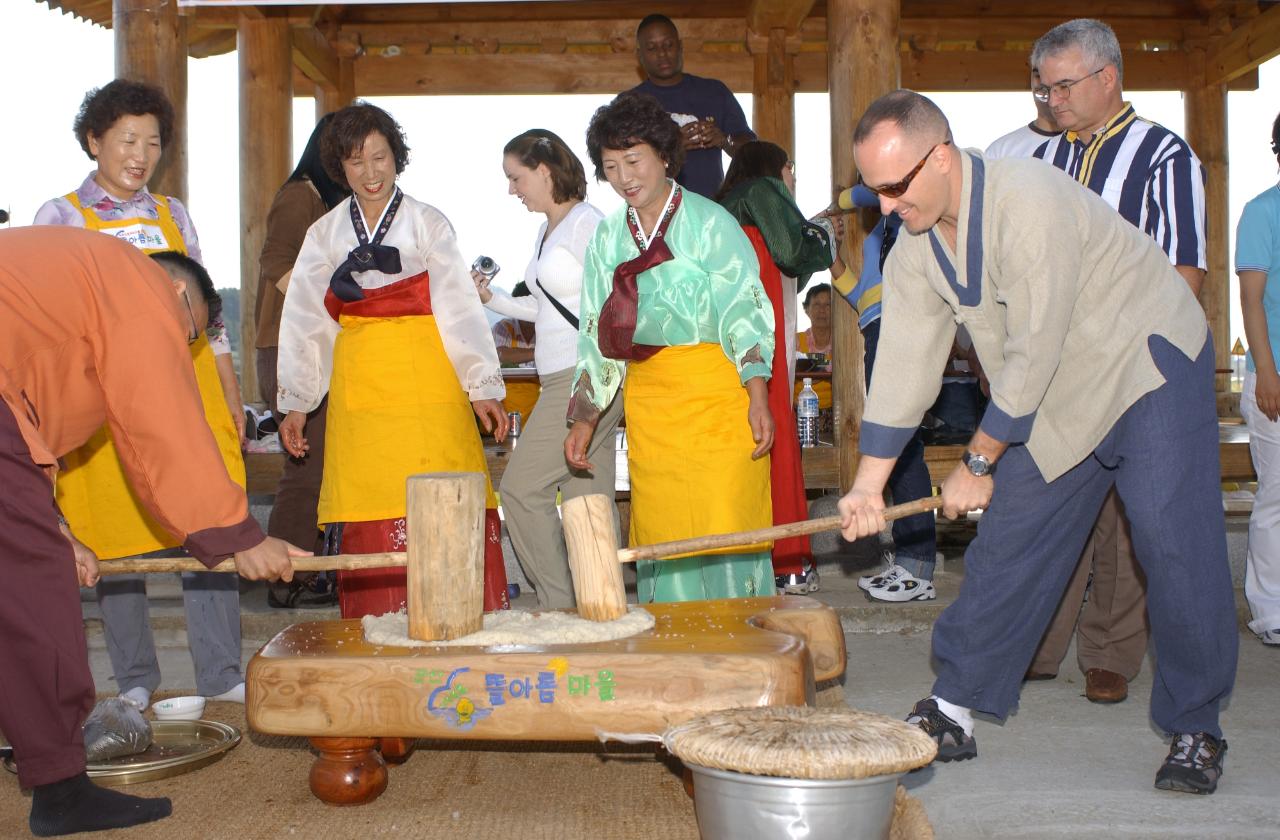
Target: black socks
x: 77, y: 804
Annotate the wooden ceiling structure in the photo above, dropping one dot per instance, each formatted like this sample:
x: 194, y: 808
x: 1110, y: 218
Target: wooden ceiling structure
x: 853, y: 49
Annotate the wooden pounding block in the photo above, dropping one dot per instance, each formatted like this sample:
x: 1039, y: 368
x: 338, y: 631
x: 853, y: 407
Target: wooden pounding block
x: 323, y: 681
x: 445, y: 555
x: 592, y: 542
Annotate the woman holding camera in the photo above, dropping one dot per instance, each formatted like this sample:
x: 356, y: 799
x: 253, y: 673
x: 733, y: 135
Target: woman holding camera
x: 548, y: 178
x: 382, y: 315
x: 672, y: 293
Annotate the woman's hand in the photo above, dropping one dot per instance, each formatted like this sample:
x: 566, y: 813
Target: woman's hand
x: 576, y: 443
x: 86, y: 560
x: 482, y: 286
x: 493, y: 417
x: 291, y: 437
x: 759, y: 417
x: 1266, y: 391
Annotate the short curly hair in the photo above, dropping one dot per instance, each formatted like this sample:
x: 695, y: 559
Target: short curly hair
x: 103, y: 106
x: 349, y: 129
x: 629, y: 120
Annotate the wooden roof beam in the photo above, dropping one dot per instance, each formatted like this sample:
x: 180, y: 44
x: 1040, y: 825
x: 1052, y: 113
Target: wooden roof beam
x: 315, y: 56
x: 763, y: 15
x: 1246, y: 47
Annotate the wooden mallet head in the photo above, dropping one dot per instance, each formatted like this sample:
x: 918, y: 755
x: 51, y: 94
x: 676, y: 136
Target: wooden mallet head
x: 592, y: 541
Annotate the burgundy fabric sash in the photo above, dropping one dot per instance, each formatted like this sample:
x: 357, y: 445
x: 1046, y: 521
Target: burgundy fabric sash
x: 617, y: 325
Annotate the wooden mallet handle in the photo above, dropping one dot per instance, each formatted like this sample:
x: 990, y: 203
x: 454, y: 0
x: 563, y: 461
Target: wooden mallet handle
x: 694, y: 545
x: 340, y: 562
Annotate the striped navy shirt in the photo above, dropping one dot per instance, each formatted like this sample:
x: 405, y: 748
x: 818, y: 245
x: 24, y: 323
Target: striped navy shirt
x: 1147, y: 173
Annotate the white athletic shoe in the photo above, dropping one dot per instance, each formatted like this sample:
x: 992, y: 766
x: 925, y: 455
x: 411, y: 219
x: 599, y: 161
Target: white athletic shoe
x: 801, y: 584
x: 137, y: 697
x: 900, y: 587
x: 235, y: 694
x: 1270, y: 637
x: 891, y: 573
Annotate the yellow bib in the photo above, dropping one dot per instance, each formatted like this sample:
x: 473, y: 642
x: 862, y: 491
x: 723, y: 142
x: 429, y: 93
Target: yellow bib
x: 100, y: 506
x: 93, y: 493
x: 689, y: 450
x: 396, y: 409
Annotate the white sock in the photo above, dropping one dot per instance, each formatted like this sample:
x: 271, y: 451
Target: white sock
x: 138, y: 697
x: 235, y: 694
x: 959, y: 714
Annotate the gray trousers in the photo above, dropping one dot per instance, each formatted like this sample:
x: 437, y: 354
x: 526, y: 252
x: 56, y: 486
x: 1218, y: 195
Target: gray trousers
x: 536, y: 472
x: 212, y: 602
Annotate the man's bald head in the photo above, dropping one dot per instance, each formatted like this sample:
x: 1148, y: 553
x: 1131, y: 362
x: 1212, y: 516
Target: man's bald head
x: 916, y: 117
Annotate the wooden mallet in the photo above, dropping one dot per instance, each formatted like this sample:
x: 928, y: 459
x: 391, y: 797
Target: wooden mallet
x: 595, y: 559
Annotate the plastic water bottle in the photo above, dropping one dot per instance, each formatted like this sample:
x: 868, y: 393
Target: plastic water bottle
x: 807, y: 415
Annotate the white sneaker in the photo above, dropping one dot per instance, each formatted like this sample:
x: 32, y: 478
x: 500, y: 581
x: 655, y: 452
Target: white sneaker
x: 801, y: 584
x: 1270, y: 637
x: 235, y: 694
x: 890, y: 574
x: 137, y: 697
x: 901, y: 587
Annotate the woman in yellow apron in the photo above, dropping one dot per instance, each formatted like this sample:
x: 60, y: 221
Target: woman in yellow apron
x: 123, y: 128
x: 672, y: 287
x: 381, y: 313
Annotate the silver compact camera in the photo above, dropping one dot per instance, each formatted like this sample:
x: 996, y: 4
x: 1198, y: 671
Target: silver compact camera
x: 486, y: 266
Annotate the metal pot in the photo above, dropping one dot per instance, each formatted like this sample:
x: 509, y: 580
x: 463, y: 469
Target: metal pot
x: 740, y: 806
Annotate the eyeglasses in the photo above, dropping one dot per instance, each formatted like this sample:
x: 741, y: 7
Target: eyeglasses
x: 1063, y: 89
x: 896, y: 190
x: 194, y: 335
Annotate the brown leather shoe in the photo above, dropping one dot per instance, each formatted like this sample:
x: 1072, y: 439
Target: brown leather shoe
x: 1037, y: 676
x: 1103, y: 686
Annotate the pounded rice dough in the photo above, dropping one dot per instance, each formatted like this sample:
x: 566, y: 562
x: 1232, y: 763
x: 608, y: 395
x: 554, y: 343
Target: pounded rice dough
x: 515, y: 627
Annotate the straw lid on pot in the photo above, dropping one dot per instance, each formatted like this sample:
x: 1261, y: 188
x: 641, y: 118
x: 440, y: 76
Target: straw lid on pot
x: 801, y: 742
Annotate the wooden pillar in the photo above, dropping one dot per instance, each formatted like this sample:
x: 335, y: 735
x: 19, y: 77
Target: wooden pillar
x: 1206, y: 118
x: 773, y: 88
x: 266, y: 140
x: 863, y: 63
x: 330, y: 99
x: 151, y: 46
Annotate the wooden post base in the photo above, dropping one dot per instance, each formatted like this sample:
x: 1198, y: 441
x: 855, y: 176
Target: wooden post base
x: 348, y: 771
x: 396, y: 750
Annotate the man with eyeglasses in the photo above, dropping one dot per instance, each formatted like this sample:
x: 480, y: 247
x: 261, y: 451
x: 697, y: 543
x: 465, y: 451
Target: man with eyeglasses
x: 1154, y: 180
x: 1089, y: 340
x: 94, y: 331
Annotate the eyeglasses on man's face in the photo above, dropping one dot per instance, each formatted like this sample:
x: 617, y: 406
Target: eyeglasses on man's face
x: 1063, y: 89
x: 895, y: 190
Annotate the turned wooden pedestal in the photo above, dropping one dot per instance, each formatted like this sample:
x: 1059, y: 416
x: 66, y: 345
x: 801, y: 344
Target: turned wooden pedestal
x: 362, y: 705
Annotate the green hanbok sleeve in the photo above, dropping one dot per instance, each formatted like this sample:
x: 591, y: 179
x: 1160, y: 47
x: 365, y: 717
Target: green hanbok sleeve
x: 596, y: 379
x: 741, y: 309
x: 798, y: 246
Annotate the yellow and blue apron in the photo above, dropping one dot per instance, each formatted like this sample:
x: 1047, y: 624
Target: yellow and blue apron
x: 689, y: 456
x: 93, y: 493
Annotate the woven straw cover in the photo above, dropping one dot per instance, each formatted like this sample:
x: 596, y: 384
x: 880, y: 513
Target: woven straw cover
x: 800, y: 742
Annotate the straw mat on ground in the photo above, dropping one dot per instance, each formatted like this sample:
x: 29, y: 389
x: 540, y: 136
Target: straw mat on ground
x: 801, y: 743
x: 258, y: 791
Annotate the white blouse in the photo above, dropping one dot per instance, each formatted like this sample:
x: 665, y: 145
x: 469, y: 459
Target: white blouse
x: 559, y: 268
x: 427, y: 243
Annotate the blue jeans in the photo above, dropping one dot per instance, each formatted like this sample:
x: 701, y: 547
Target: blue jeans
x: 914, y: 537
x: 1162, y: 458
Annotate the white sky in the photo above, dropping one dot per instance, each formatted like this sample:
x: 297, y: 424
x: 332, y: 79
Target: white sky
x: 52, y: 59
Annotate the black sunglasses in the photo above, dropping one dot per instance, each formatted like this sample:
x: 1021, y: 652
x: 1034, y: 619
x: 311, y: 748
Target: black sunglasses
x: 897, y: 189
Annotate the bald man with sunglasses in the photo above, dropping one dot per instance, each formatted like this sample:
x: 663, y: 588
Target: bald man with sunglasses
x: 1101, y: 373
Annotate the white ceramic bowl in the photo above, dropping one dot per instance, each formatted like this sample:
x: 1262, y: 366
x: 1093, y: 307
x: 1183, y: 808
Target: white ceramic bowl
x: 179, y: 708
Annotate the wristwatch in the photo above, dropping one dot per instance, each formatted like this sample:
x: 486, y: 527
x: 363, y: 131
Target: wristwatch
x: 977, y: 464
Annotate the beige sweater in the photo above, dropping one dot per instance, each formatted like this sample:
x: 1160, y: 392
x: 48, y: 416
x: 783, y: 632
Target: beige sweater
x: 1060, y: 295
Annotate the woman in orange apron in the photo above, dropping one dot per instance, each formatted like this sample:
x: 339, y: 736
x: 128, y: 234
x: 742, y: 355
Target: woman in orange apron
x: 382, y: 314
x: 123, y: 127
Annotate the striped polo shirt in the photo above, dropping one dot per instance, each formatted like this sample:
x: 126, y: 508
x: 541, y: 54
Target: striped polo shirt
x: 1147, y: 173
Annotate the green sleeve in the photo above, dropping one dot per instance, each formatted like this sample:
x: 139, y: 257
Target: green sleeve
x: 596, y: 379
x: 740, y: 307
x: 798, y: 247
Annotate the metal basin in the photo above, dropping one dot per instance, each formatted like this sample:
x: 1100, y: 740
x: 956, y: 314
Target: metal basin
x: 740, y: 806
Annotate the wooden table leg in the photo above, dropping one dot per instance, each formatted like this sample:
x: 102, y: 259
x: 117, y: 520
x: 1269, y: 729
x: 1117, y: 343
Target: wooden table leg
x: 348, y: 771
x: 396, y: 750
